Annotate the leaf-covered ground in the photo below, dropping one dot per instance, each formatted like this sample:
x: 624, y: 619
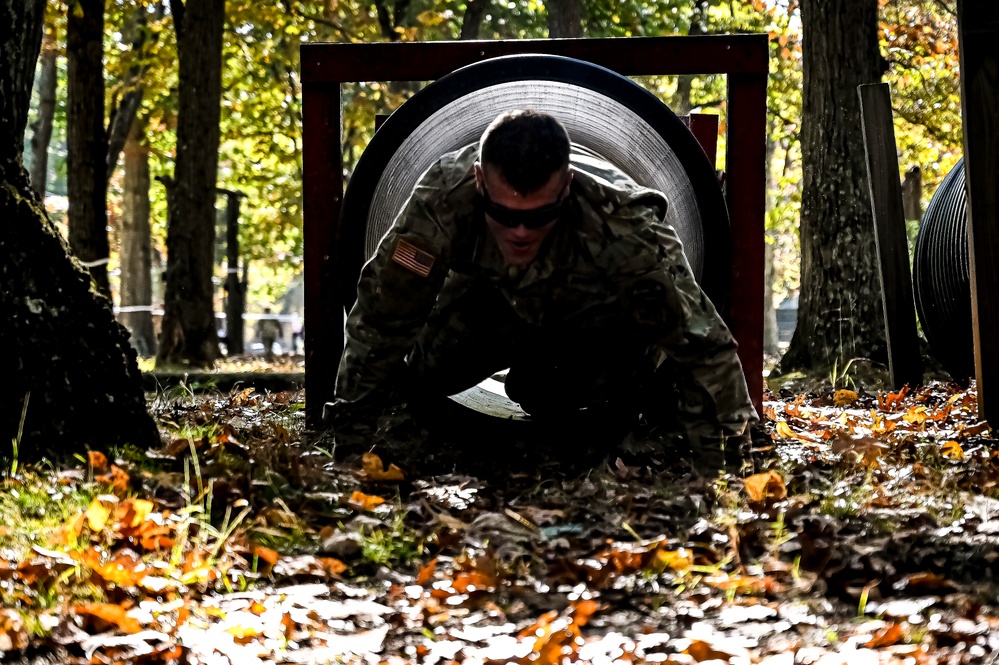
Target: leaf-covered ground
x: 865, y: 531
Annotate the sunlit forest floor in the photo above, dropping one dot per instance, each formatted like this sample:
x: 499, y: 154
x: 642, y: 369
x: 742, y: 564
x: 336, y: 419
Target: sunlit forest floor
x: 866, y: 530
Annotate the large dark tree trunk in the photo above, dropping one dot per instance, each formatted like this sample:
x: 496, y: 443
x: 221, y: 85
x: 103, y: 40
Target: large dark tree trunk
x: 472, y: 20
x: 840, y: 314
x: 189, y: 334
x: 86, y: 161
x: 61, y: 344
x: 42, y: 127
x: 565, y: 18
x: 136, y: 266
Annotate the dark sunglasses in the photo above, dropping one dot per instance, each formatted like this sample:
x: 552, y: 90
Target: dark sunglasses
x: 533, y: 218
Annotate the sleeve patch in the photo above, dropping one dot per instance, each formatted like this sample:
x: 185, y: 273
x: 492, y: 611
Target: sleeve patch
x: 412, y: 258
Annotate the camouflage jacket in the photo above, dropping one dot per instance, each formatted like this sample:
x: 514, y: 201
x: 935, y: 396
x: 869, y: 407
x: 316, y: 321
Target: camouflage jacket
x: 614, y: 247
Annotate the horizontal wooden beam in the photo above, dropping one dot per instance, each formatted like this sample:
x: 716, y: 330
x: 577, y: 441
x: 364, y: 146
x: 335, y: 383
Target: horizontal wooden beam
x: 636, y: 56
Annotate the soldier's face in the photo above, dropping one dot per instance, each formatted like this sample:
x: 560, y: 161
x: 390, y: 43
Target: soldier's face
x: 520, y: 245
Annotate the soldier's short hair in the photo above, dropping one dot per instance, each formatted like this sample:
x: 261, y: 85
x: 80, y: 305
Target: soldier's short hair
x: 527, y: 147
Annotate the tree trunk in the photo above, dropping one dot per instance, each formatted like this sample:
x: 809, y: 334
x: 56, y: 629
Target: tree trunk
x: 63, y: 352
x: 189, y: 334
x: 42, y: 127
x: 685, y: 82
x: 123, y: 117
x: 840, y: 314
x: 136, y: 276
x: 86, y: 160
x: 565, y: 18
x: 912, y: 194
x: 472, y: 21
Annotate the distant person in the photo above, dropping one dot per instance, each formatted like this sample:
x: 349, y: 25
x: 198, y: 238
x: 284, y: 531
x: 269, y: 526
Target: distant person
x: 269, y: 330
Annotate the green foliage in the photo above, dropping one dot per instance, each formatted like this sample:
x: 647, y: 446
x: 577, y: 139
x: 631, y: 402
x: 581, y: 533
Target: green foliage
x: 391, y: 545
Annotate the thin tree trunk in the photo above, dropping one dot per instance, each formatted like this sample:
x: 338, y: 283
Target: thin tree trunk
x: 388, y: 21
x: 87, y: 142
x: 42, y: 127
x: 840, y: 315
x: 136, y: 276
x: 123, y: 117
x: 912, y: 194
x: 63, y: 353
x: 188, y: 333
x: 472, y: 20
x: 685, y: 82
x: 565, y: 18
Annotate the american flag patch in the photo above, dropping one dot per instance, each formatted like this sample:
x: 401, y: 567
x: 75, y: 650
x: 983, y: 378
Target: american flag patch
x: 413, y: 258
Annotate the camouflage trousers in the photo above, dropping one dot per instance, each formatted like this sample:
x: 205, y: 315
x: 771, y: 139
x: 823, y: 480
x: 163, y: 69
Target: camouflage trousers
x: 597, y: 358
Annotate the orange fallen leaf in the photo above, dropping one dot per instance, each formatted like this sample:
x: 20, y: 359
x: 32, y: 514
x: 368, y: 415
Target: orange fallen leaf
x: 332, y: 565
x: 266, y: 554
x: 582, y: 611
x: 110, y: 613
x: 844, y: 397
x: 765, y: 487
x: 915, y: 415
x: 952, y: 450
x: 700, y: 650
x: 362, y: 501
x: 888, y: 402
x: 925, y: 581
x: 98, y: 460
x: 427, y: 572
x: 886, y: 637
x: 133, y: 512
x: 118, y: 480
x: 374, y: 469
x: 123, y: 570
x: 473, y: 581
x: 784, y: 430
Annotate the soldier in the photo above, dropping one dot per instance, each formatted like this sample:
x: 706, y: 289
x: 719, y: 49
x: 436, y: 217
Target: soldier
x: 530, y: 253
x: 269, y: 330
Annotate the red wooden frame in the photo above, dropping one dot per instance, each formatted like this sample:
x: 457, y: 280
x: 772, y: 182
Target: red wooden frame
x: 743, y: 58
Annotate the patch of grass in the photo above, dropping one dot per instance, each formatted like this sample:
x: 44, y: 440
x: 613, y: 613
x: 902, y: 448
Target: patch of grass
x: 31, y: 510
x: 392, y: 545
x: 136, y: 458
x: 846, y: 501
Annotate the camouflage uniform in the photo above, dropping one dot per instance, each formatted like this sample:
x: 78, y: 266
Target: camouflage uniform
x: 610, y: 283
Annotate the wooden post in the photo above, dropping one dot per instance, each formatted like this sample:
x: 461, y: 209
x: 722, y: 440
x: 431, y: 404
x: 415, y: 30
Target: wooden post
x: 322, y: 195
x: 978, y: 30
x: 904, y: 361
x: 704, y: 127
x: 746, y: 189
